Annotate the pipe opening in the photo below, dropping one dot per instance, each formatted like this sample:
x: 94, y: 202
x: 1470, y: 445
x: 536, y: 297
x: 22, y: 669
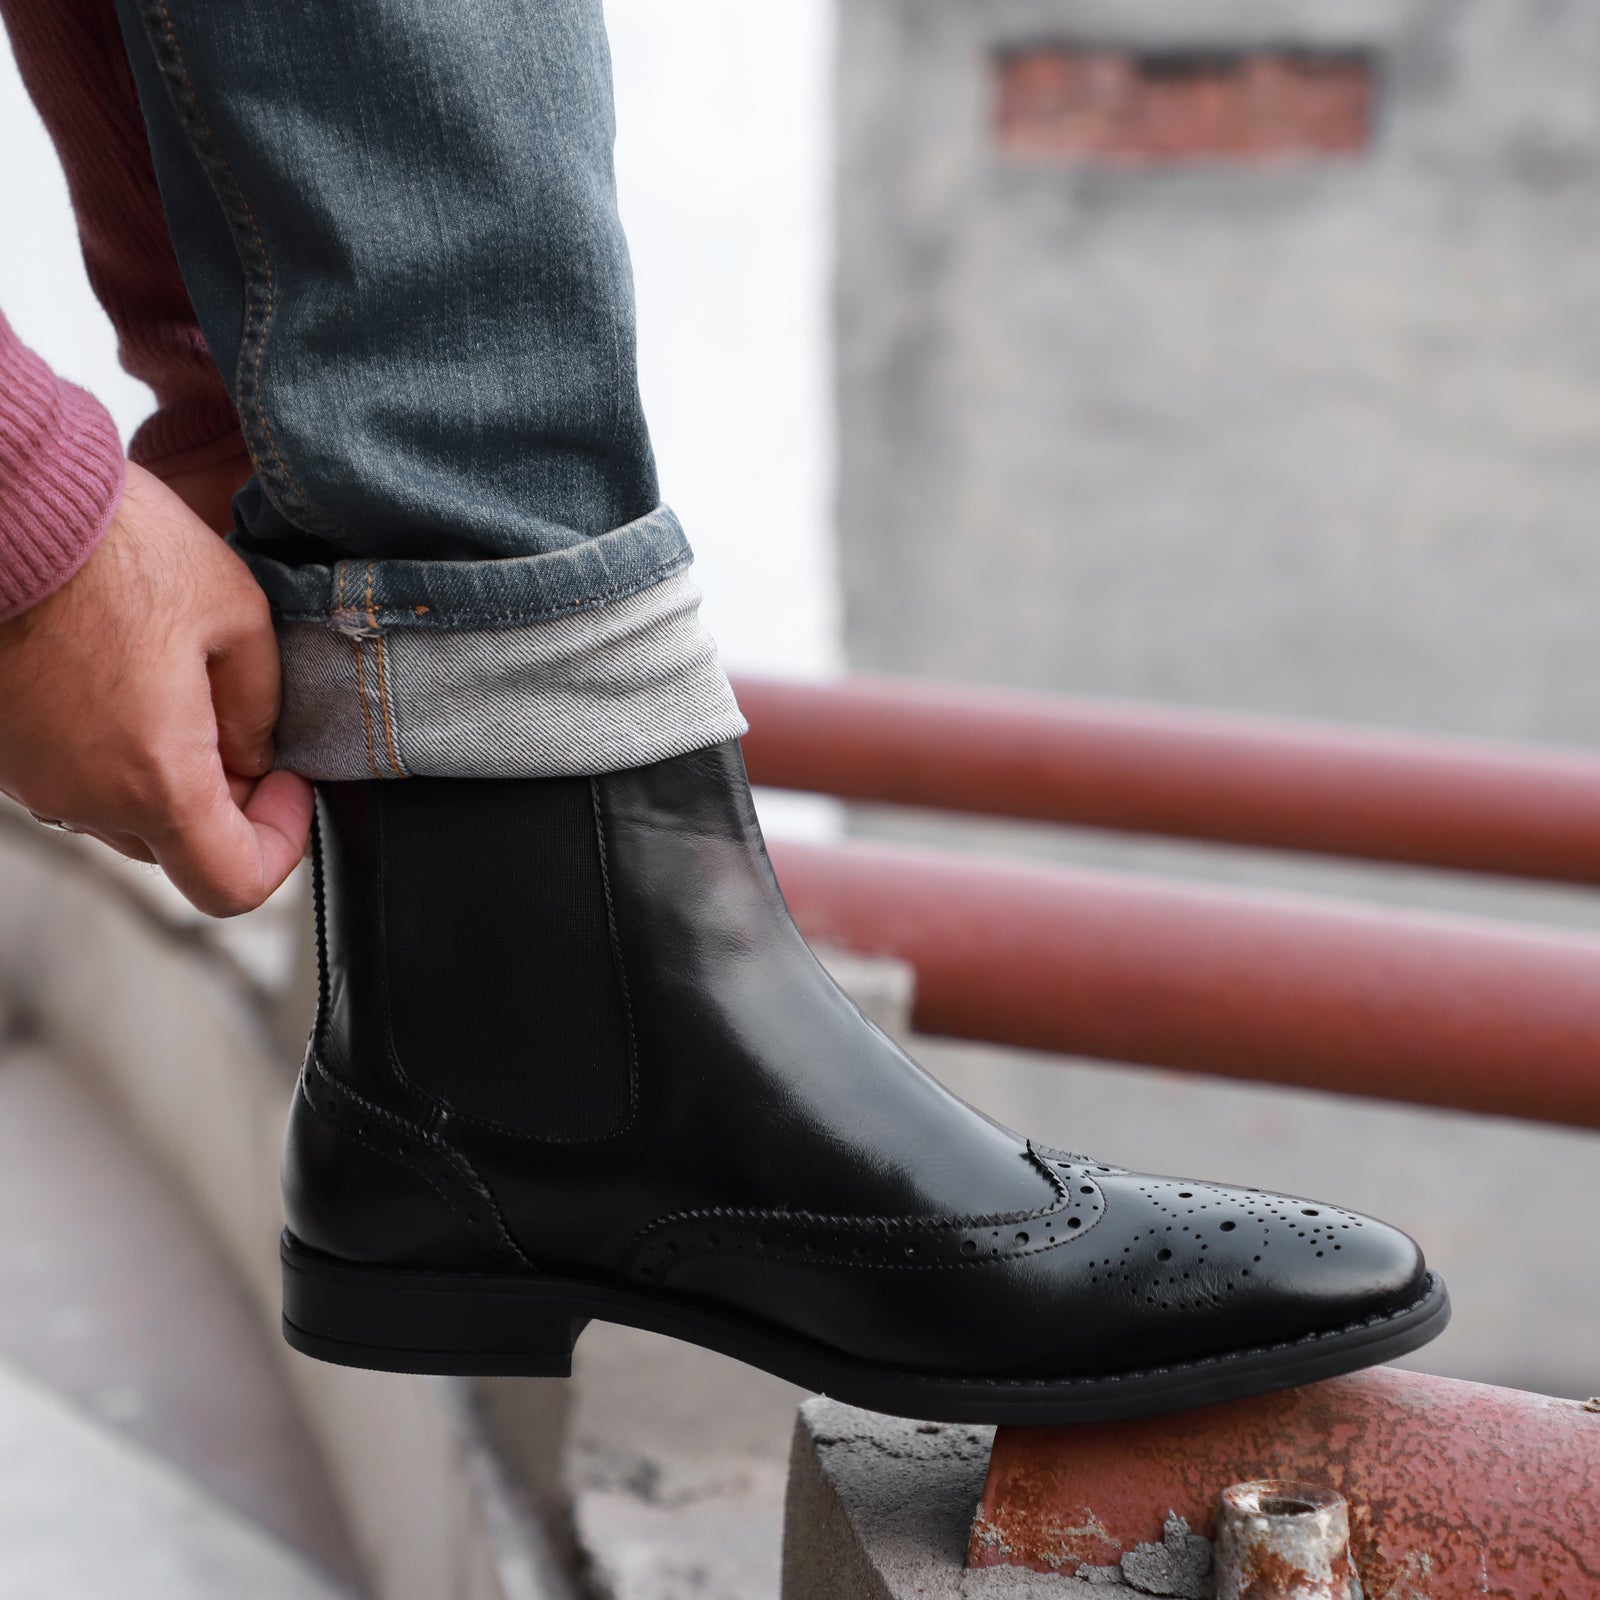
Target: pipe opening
x: 1284, y: 1506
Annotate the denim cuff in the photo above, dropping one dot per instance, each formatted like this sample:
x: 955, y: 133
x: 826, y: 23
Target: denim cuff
x: 583, y: 692
x: 507, y: 593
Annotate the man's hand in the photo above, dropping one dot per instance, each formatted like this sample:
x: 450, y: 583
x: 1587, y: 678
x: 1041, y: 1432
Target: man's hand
x: 137, y: 704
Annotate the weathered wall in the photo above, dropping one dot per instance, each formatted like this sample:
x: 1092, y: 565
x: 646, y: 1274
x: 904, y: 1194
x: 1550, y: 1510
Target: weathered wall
x: 1319, y: 436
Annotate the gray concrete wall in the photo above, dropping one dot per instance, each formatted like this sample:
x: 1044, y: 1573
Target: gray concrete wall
x: 1315, y: 438
x: 1321, y: 439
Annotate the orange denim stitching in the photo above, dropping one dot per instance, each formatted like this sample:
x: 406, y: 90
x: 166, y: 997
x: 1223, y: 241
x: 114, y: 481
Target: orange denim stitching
x: 383, y: 679
x: 366, y: 710
x: 446, y: 618
x: 361, y: 674
x: 383, y: 700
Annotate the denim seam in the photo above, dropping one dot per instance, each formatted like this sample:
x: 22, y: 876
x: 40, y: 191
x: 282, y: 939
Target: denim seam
x: 454, y: 619
x: 361, y: 673
x: 260, y: 281
x: 366, y: 710
x: 390, y: 753
x: 383, y: 681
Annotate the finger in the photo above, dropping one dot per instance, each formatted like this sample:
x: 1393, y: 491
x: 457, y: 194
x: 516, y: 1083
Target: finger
x: 225, y: 860
x: 245, y: 678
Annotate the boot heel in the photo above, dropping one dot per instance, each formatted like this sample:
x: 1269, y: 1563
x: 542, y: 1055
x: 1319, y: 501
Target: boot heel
x: 391, y: 1319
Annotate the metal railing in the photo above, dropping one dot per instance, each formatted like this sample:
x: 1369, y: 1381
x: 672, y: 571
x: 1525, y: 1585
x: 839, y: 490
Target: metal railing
x: 1470, y: 805
x: 1446, y: 1011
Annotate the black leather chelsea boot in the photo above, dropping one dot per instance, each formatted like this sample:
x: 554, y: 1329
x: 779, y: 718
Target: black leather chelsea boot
x: 574, y: 1061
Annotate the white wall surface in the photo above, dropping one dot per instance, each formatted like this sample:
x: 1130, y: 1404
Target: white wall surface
x: 43, y: 288
x: 724, y: 157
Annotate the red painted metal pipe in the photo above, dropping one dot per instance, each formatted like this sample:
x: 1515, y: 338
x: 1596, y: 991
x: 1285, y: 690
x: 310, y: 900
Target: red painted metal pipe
x: 1437, y: 1011
x: 1477, y: 807
x: 1455, y: 1489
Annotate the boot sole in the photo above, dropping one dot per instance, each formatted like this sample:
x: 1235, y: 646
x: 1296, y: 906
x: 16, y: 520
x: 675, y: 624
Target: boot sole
x: 391, y: 1319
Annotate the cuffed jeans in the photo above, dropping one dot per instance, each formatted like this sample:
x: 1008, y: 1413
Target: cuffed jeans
x: 397, y: 221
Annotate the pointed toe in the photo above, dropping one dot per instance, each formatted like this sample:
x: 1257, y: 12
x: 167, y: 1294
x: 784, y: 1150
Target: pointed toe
x: 1249, y: 1267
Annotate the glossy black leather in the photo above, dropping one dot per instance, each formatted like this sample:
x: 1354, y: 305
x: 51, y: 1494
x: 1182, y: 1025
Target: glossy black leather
x: 784, y: 1161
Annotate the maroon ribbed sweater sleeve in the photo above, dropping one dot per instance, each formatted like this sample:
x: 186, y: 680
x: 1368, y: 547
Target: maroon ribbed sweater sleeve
x: 60, y: 461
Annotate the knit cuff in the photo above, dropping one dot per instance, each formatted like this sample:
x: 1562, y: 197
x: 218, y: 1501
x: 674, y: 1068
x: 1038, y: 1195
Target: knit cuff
x: 61, y: 472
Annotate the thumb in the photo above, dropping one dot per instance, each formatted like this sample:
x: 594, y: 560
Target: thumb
x: 226, y: 860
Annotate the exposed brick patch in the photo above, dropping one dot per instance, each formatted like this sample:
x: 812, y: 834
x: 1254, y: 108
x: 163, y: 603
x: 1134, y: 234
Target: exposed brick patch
x: 1104, y: 105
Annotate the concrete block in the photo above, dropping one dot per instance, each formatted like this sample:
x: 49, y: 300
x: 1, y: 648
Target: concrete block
x: 880, y: 1508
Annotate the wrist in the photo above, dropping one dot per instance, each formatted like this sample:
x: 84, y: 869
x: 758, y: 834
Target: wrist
x: 207, y: 478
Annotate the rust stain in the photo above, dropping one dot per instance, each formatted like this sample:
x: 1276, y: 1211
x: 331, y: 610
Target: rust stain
x: 987, y: 1537
x: 1269, y: 1575
x: 1065, y: 1537
x: 1280, y: 1539
x: 1455, y: 1489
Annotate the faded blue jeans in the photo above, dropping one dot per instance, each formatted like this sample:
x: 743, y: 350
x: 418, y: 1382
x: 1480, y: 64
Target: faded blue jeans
x: 397, y: 221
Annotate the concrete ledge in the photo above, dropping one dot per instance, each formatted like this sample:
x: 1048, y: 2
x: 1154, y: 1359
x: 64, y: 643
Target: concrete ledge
x: 167, y: 1028
x: 132, y: 1527
x: 880, y: 1508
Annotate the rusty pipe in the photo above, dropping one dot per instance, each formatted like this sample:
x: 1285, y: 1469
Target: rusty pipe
x: 1282, y: 1540
x: 1431, y: 1010
x: 1473, y: 806
x: 1456, y: 1490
